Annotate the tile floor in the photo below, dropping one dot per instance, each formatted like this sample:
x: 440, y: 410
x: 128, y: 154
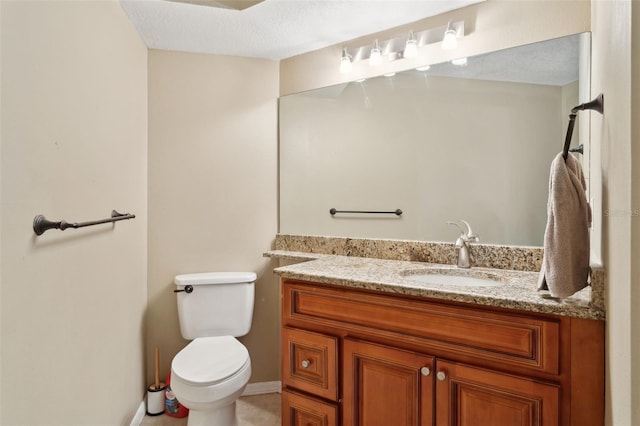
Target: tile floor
x: 255, y: 410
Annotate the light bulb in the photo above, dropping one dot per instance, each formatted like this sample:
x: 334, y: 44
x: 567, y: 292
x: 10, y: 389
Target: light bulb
x: 375, y: 57
x: 424, y: 68
x: 459, y: 61
x: 450, y: 40
x: 411, y: 47
x: 345, y: 63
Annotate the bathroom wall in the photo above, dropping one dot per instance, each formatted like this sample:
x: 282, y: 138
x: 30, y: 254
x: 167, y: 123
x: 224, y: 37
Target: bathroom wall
x: 616, y: 73
x: 212, y: 190
x: 635, y: 194
x: 74, y: 147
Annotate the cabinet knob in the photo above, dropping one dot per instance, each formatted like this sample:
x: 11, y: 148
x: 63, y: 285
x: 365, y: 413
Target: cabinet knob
x: 441, y: 375
x: 425, y: 371
x: 305, y: 363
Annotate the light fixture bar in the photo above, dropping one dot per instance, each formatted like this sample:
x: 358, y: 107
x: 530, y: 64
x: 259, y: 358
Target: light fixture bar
x: 405, y: 46
x: 397, y: 44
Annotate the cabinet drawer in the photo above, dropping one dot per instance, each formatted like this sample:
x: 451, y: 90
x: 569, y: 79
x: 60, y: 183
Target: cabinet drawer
x: 309, y: 362
x: 512, y: 339
x: 299, y: 410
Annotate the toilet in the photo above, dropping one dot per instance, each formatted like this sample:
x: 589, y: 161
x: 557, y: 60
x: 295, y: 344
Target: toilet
x: 211, y: 372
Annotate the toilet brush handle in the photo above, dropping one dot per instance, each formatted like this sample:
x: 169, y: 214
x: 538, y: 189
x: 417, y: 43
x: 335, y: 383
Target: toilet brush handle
x: 157, y: 368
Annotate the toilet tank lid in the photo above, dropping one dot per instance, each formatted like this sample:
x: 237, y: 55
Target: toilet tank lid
x: 215, y: 278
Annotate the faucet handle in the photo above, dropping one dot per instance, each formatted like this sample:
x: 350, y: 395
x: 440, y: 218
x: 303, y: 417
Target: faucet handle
x: 471, y: 237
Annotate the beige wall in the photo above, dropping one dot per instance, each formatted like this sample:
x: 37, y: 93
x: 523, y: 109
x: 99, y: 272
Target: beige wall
x: 212, y: 189
x: 489, y: 26
x: 617, y: 134
x: 635, y: 194
x: 74, y: 146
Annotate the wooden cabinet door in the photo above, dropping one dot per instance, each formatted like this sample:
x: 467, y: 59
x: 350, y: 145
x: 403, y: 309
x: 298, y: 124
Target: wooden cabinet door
x: 470, y: 396
x: 384, y: 386
x: 299, y: 410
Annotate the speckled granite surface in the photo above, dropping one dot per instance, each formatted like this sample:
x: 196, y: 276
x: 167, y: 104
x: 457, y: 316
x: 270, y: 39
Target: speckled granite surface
x: 517, y: 289
x: 485, y: 255
x: 385, y: 265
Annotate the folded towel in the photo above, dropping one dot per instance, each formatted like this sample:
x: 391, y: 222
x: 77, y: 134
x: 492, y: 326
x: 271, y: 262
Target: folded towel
x: 565, y: 262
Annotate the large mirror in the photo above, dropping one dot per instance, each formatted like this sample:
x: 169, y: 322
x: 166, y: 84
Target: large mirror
x: 472, y: 142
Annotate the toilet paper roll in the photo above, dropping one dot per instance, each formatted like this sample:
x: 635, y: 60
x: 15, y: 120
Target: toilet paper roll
x: 155, y: 399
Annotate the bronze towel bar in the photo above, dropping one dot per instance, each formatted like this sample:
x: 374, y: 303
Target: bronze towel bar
x: 596, y: 105
x: 332, y: 211
x: 41, y: 224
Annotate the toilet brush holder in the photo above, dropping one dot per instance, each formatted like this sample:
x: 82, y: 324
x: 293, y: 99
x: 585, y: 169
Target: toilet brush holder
x: 155, y: 399
x: 156, y: 391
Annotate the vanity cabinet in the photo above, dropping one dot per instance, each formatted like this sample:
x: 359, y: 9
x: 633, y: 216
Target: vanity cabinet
x: 360, y: 357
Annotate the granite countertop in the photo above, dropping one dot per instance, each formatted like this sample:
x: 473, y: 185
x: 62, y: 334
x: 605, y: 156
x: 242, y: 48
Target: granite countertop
x: 517, y: 289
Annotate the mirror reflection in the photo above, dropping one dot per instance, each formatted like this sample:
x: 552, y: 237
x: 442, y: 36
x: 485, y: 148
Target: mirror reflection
x: 470, y: 142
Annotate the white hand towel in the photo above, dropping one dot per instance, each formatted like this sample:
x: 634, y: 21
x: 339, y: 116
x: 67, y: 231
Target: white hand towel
x: 565, y: 262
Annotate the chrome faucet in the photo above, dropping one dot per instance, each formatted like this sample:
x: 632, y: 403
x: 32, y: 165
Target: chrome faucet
x: 463, y: 250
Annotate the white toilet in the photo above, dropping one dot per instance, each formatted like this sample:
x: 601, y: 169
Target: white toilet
x: 211, y: 372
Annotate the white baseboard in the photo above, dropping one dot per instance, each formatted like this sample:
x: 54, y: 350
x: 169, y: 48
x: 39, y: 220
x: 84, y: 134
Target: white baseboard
x: 262, y: 388
x: 251, y: 389
x: 139, y: 416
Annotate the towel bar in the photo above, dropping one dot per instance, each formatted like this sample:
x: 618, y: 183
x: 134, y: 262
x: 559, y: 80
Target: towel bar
x: 333, y: 211
x: 596, y: 104
x: 41, y: 224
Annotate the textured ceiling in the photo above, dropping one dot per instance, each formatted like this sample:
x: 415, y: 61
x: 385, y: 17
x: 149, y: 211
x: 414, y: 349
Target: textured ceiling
x: 552, y: 62
x: 271, y: 29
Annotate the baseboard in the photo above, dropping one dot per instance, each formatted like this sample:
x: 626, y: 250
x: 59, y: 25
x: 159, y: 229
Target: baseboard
x: 262, y: 388
x: 139, y: 416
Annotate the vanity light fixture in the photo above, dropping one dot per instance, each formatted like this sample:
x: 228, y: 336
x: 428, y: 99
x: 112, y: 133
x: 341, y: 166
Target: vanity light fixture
x: 411, y: 47
x: 450, y: 39
x: 375, y: 57
x: 345, y: 62
x: 402, y: 46
x: 424, y: 68
x: 390, y: 74
x: 459, y: 61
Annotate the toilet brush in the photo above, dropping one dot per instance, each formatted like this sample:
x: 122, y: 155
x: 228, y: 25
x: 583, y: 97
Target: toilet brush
x: 155, y: 392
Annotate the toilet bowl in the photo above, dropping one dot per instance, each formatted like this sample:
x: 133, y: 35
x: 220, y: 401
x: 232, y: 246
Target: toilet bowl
x: 207, y: 376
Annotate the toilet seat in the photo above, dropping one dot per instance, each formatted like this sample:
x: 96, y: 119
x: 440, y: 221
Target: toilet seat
x: 209, y: 360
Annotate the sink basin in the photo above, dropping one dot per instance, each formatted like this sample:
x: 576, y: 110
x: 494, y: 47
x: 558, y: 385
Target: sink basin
x: 454, y: 277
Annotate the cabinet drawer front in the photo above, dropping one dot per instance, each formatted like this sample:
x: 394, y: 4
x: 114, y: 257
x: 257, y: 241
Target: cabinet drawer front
x: 309, y: 362
x: 515, y: 339
x: 299, y: 410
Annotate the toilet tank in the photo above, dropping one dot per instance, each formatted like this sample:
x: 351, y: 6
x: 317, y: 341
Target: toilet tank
x: 220, y: 303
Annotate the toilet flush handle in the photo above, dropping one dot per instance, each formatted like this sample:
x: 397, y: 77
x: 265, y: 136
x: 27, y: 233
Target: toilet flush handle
x: 187, y: 289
